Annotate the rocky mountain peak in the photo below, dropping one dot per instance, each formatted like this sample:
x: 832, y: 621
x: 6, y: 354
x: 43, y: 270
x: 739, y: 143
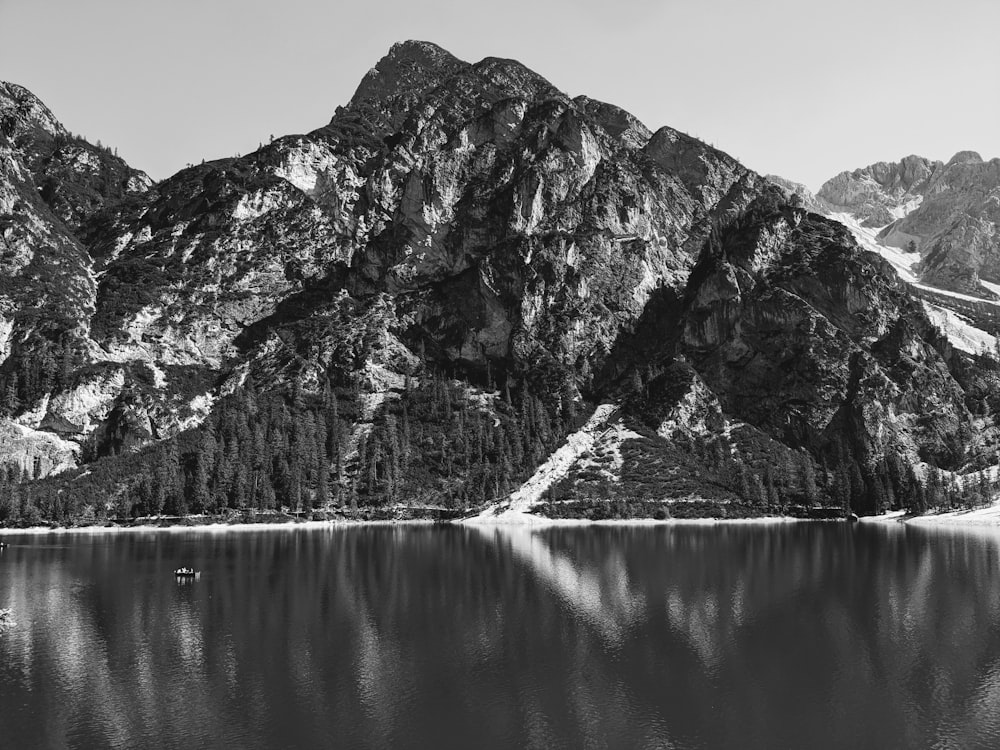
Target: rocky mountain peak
x: 427, y: 54
x: 400, y: 79
x: 874, y: 193
x: 618, y: 123
x: 22, y: 112
x: 907, y: 174
x: 965, y: 157
x: 947, y: 211
x: 515, y: 78
x: 73, y: 177
x: 798, y: 193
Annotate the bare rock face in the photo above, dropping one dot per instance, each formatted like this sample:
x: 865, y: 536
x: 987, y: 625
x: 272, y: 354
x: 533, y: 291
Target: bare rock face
x: 73, y: 177
x: 51, y: 184
x: 958, y: 225
x: 820, y: 342
x: 506, y: 221
x: 947, y: 211
x: 875, y: 193
x: 33, y: 453
x: 798, y: 194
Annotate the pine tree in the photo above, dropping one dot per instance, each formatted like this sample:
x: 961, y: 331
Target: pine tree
x: 984, y: 488
x: 771, y: 491
x: 858, y: 491
x: 201, y: 496
x: 11, y: 401
x: 809, y: 489
x: 744, y: 486
x: 842, y: 487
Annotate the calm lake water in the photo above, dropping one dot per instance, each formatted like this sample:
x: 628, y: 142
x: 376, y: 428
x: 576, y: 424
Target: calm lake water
x: 790, y: 636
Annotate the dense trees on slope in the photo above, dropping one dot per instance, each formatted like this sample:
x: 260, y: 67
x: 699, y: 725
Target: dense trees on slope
x: 439, y: 447
x: 439, y: 442
x: 37, y: 366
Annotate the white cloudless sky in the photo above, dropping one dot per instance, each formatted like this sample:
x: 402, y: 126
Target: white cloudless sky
x: 802, y: 89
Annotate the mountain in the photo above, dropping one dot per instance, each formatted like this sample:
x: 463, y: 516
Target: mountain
x: 946, y: 211
x: 879, y: 193
x: 51, y: 183
x: 933, y: 222
x: 467, y: 290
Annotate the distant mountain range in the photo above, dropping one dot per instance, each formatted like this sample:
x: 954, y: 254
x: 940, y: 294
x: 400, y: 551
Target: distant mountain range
x: 948, y: 212
x: 470, y: 292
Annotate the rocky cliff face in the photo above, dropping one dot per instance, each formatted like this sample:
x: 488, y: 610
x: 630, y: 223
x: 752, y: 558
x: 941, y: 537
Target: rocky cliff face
x: 956, y: 226
x: 947, y: 211
x: 51, y: 184
x: 877, y: 193
x: 465, y: 221
x: 802, y: 334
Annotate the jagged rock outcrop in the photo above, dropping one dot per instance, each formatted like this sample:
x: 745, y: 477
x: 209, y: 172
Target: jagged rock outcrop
x: 459, y: 221
x: 799, y: 195
x: 947, y: 211
x: 73, y: 177
x: 877, y: 193
x: 51, y: 184
x: 957, y: 227
x: 802, y: 334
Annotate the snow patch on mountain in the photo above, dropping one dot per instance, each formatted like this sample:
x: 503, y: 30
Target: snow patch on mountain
x: 990, y: 287
x: 957, y: 295
x: 904, y: 209
x: 905, y: 263
x: 960, y: 331
x: 867, y: 237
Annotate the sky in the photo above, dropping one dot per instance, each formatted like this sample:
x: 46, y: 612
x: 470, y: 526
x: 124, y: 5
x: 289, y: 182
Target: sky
x: 800, y: 89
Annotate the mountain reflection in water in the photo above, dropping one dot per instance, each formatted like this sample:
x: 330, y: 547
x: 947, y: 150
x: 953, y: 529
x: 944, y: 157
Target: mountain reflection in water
x: 801, y: 635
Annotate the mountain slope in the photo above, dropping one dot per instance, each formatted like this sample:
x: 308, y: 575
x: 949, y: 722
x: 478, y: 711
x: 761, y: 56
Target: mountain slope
x: 51, y: 184
x: 946, y: 211
x: 408, y: 309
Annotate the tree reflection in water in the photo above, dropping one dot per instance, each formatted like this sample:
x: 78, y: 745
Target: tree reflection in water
x: 818, y: 635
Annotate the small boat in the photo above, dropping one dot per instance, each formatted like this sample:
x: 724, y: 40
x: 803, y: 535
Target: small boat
x: 185, y: 572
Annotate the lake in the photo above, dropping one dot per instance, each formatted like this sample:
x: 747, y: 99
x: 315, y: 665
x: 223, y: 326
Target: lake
x: 804, y: 635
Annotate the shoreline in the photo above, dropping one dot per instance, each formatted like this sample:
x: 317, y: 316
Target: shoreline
x: 217, y: 528
x: 981, y: 518
x: 978, y: 518
x: 519, y: 518
x: 504, y: 521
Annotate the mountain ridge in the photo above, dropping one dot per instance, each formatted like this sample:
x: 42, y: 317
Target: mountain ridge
x: 412, y: 308
x: 945, y: 209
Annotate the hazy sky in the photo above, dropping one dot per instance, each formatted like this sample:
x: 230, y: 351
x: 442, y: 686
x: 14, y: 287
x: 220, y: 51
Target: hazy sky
x: 800, y: 88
